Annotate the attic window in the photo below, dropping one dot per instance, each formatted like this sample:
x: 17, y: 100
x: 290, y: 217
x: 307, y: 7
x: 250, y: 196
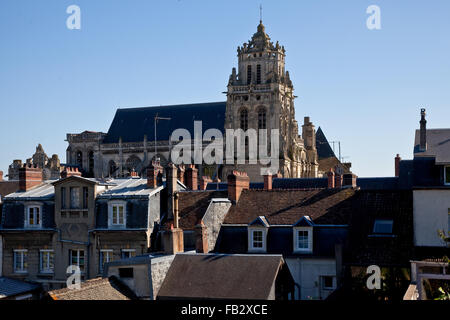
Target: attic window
x: 382, y: 226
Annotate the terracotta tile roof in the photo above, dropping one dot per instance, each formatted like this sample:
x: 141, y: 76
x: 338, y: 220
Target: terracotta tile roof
x: 288, y: 206
x: 192, y: 206
x: 96, y: 289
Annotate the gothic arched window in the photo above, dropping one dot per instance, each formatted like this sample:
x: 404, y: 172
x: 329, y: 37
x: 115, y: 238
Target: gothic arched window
x: 91, y: 163
x: 258, y: 74
x: 262, y: 123
x: 244, y: 119
x: 249, y: 74
x: 80, y: 158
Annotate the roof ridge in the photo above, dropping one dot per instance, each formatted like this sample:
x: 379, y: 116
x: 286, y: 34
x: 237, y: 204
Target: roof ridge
x: 171, y: 105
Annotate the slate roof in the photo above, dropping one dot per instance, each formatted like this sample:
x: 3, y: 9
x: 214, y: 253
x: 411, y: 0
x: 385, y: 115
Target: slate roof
x: 44, y: 191
x: 286, y: 207
x: 131, y: 124
x: 438, y: 145
x: 96, y: 289
x: 218, y: 276
x: 324, y: 149
x: 126, y: 188
x: 299, y: 183
x: 11, y: 287
x: 192, y: 206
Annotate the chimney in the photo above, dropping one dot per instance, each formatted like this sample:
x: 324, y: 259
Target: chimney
x: 331, y: 178
x: 309, y: 134
x: 423, y: 131
x: 70, y: 171
x: 350, y: 180
x: 154, y: 175
x: 397, y: 165
x: 173, y: 239
x: 268, y: 178
x: 180, y: 173
x: 134, y: 174
x: 1, y: 175
x: 338, y: 180
x: 29, y: 176
x: 191, y: 177
x: 237, y: 181
x: 204, y: 182
x: 201, y: 238
x: 171, y: 184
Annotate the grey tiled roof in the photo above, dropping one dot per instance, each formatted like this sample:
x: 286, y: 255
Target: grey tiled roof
x: 438, y: 145
x: 44, y: 191
x: 11, y: 287
x: 131, y: 124
x: 127, y: 188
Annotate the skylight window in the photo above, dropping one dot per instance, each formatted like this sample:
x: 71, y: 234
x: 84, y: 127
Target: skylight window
x: 382, y: 226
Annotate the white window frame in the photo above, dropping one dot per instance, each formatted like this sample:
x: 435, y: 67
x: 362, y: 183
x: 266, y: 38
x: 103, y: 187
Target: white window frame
x: 27, y: 215
x: 251, y: 245
x: 47, y: 268
x: 309, y: 249
x: 445, y: 175
x: 128, y: 251
x: 111, y: 206
x: 78, y: 258
x: 109, y: 255
x: 24, y: 263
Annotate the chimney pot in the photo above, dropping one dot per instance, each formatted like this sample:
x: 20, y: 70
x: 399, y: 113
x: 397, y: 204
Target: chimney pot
x: 331, y: 179
x: 423, y: 131
x: 191, y: 177
x: 237, y: 181
x: 397, y: 165
x: 268, y: 179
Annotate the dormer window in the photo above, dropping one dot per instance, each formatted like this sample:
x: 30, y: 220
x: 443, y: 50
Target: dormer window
x: 257, y: 235
x: 117, y: 214
x: 447, y: 175
x: 33, y: 217
x: 303, y: 235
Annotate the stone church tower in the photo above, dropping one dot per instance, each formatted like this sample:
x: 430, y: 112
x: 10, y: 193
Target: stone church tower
x: 260, y: 95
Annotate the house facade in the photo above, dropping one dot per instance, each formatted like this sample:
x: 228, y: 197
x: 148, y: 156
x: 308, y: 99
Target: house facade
x: 50, y: 225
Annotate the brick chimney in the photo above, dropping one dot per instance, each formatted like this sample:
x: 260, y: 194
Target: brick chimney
x: 180, y: 173
x: 191, y: 177
x: 423, y: 131
x: 1, y: 175
x: 154, y: 175
x: 173, y: 239
x: 201, y: 238
x: 268, y: 178
x: 331, y: 179
x: 338, y: 181
x: 204, y: 182
x: 30, y: 176
x: 70, y: 171
x: 397, y: 165
x: 237, y: 181
x: 134, y: 174
x: 350, y: 180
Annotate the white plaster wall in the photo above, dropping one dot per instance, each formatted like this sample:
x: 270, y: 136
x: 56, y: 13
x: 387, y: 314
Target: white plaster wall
x: 307, y: 272
x: 430, y: 215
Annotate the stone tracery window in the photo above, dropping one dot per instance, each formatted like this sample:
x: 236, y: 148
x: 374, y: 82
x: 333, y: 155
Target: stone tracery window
x: 262, y: 121
x: 249, y: 74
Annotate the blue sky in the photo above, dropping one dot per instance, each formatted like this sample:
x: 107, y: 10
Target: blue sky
x: 363, y: 87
